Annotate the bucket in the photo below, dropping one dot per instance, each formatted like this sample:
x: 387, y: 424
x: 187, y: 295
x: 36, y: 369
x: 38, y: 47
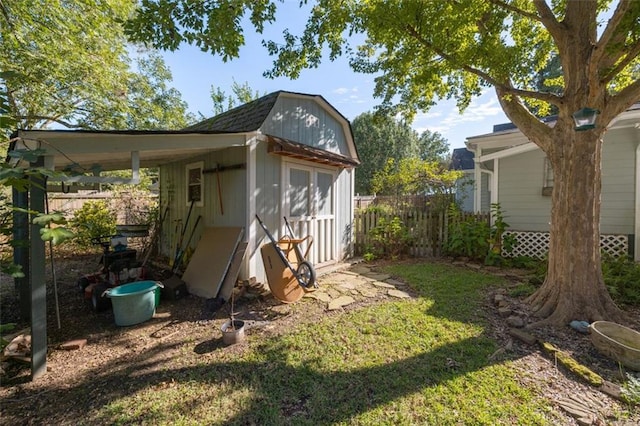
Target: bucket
x: 133, y: 303
x: 232, y: 332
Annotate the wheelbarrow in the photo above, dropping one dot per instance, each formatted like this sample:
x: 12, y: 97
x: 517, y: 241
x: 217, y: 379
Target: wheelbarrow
x: 303, y: 271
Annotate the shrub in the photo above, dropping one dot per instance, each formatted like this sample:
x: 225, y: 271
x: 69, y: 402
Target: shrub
x: 390, y: 238
x: 468, y: 236
x: 622, y: 278
x: 93, y: 220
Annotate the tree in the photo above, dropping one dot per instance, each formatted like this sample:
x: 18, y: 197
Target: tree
x: 67, y: 64
x: 423, y: 50
x: 379, y: 138
x: 241, y: 94
x: 414, y: 176
x: 147, y: 103
x: 432, y: 146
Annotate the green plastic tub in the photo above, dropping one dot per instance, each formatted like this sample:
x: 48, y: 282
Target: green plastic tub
x: 134, y: 303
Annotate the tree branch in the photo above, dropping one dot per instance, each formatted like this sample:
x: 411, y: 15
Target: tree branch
x: 548, y: 19
x: 618, y: 103
x: 516, y: 10
x: 49, y: 119
x: 631, y: 54
x: 506, y: 87
x: 609, y: 35
x: 529, y: 124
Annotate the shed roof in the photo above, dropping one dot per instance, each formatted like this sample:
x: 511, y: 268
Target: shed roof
x: 244, y: 118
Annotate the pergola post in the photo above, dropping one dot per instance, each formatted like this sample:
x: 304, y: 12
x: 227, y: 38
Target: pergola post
x: 37, y: 280
x: 20, y: 201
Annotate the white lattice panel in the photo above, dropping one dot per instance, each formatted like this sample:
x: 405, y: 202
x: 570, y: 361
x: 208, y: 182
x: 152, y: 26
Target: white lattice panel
x: 536, y: 244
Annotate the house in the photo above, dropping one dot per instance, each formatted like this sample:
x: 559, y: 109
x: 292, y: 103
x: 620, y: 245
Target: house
x: 462, y: 160
x: 519, y: 177
x: 283, y: 155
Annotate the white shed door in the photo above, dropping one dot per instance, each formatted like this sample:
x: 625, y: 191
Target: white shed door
x: 310, y: 210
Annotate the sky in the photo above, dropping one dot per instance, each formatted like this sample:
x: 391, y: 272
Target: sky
x: 195, y: 72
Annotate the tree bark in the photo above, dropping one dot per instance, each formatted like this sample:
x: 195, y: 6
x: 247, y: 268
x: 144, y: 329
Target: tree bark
x: 574, y: 288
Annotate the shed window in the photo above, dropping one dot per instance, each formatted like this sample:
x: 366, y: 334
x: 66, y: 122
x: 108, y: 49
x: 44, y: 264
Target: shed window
x: 547, y: 186
x: 195, y: 183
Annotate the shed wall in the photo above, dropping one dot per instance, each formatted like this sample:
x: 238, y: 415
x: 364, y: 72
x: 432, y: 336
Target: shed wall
x: 227, y: 210
x: 306, y: 122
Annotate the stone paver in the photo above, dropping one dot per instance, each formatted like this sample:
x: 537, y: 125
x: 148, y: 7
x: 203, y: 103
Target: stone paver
x: 399, y: 294
x: 349, y: 285
x: 359, y: 269
x: 319, y: 295
x: 340, y: 302
x: 368, y: 292
x: 378, y: 277
x: 382, y: 284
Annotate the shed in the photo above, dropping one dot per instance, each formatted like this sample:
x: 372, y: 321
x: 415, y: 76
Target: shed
x: 283, y: 155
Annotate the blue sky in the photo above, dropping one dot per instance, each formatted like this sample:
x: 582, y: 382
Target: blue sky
x: 195, y: 72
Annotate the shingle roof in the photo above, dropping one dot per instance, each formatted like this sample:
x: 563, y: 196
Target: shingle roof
x: 245, y: 118
x: 462, y: 159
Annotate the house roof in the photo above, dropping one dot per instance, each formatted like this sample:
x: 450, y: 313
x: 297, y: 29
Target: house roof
x: 462, y: 159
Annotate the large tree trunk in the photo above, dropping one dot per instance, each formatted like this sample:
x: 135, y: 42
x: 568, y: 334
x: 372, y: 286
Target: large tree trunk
x: 574, y: 288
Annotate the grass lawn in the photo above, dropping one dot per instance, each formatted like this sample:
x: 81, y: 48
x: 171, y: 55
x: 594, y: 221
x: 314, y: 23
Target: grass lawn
x: 413, y: 361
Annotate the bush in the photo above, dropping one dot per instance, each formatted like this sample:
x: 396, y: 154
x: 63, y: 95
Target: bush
x: 93, y: 220
x: 390, y: 239
x: 622, y: 278
x: 468, y: 236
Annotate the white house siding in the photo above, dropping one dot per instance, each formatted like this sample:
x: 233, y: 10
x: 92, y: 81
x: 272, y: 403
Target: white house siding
x: 522, y: 177
x: 485, y: 199
x: 520, y: 192
x: 618, y: 182
x: 306, y: 122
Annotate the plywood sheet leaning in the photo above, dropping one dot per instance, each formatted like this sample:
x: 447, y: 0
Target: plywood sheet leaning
x: 211, y: 260
x: 231, y: 277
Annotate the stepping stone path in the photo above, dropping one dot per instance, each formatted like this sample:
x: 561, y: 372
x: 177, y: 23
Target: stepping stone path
x: 342, y: 288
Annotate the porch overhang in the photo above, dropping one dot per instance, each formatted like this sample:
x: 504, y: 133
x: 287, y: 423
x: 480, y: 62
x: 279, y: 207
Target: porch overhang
x: 95, y: 151
x: 289, y: 148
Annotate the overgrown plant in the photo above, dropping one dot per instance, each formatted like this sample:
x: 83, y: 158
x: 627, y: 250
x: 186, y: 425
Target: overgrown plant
x: 390, y: 238
x: 468, y: 235
x: 471, y: 236
x: 498, y: 241
x: 630, y: 390
x: 622, y: 278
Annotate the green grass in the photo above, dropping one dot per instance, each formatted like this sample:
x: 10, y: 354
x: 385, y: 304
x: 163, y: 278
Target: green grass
x: 419, y: 361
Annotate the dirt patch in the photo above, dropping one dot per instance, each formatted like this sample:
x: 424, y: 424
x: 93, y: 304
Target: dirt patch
x: 79, y: 381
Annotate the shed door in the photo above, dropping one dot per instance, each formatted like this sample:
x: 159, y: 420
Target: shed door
x: 310, y: 210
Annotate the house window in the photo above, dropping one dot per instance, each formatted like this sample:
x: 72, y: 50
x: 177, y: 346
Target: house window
x: 195, y: 183
x: 547, y: 186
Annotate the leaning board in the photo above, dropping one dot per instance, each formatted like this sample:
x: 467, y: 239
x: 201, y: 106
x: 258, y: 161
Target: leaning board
x: 211, y: 260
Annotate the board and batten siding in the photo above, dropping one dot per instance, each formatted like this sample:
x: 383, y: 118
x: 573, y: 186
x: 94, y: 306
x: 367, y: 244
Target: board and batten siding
x: 344, y: 212
x: 306, y: 122
x: 228, y: 210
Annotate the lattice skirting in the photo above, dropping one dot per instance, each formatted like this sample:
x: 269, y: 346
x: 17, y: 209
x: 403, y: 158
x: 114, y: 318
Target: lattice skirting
x: 536, y: 244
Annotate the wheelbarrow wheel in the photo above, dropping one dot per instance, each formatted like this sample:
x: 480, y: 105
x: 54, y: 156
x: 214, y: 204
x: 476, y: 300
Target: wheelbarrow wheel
x: 306, y: 275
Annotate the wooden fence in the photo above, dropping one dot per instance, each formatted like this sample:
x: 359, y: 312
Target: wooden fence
x: 427, y: 230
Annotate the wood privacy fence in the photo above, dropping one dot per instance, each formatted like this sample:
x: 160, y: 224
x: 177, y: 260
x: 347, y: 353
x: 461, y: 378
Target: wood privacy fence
x: 427, y: 229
